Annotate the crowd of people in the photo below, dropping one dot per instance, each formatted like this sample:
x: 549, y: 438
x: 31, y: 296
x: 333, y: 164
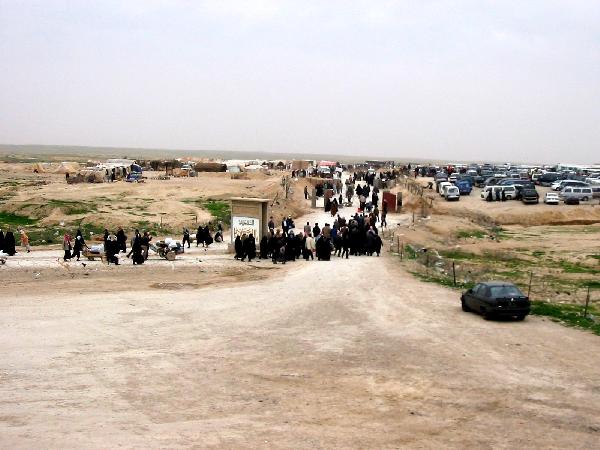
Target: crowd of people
x: 355, y: 237
x: 342, y: 238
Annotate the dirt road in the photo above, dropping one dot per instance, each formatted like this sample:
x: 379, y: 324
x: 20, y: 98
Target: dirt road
x: 340, y: 354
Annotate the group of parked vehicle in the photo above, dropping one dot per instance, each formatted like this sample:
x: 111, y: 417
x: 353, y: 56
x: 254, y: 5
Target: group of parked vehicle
x: 503, y: 183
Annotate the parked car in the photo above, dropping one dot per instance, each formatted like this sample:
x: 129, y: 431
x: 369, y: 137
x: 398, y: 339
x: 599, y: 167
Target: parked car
x: 494, y: 189
x: 492, y: 181
x: 464, y: 186
x: 546, y: 179
x: 560, y: 185
x: 441, y: 186
x: 453, y: 177
x: 496, y: 299
x: 530, y: 195
x: 571, y: 201
x: 451, y: 193
x: 507, y: 181
x: 582, y: 193
x: 596, y: 191
x: 551, y: 198
x: 479, y: 181
x: 510, y: 192
x: 440, y: 176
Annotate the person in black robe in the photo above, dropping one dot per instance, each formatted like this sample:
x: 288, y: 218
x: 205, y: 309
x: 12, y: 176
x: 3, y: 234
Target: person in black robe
x: 377, y: 245
x: 200, y: 236
x: 1, y: 240
x: 136, y: 248
x: 111, y: 249
x: 359, y: 190
x: 249, y: 248
x: 323, y: 248
x: 345, y: 241
x: 334, y: 207
x: 264, y: 247
x: 370, y: 242
x: 186, y: 238
x: 299, y: 244
x: 207, y: 237
x: 9, y: 243
x: 78, y: 245
x: 121, y: 240
x: 239, y: 250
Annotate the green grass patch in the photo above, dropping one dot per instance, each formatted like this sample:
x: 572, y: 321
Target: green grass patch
x: 410, y: 252
x: 538, y: 253
x: 567, y: 314
x: 457, y: 254
x: 10, y: 219
x: 220, y: 210
x: 442, y: 280
x: 152, y: 227
x: 72, y: 207
x: 569, y: 267
x: 466, y: 234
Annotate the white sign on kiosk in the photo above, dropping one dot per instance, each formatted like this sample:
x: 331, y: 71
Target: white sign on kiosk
x: 248, y: 225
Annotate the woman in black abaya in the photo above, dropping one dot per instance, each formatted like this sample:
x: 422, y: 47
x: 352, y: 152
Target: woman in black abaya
x: 9, y: 243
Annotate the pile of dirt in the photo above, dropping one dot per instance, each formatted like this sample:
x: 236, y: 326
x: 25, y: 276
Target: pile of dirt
x: 575, y: 215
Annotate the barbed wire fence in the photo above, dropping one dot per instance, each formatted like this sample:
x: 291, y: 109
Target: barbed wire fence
x: 429, y: 265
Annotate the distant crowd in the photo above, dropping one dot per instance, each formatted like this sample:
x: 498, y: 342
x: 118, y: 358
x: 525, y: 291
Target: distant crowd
x: 355, y: 237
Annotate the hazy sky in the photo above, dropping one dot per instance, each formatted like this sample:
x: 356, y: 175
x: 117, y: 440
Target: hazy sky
x: 501, y: 80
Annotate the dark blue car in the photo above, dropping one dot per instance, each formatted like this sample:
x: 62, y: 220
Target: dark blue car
x: 496, y: 299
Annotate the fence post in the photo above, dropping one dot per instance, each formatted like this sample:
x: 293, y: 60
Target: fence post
x: 530, y: 279
x: 401, y: 250
x: 453, y: 273
x: 587, y: 302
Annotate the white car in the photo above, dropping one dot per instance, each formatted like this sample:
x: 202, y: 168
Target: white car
x: 551, y: 198
x: 444, y: 185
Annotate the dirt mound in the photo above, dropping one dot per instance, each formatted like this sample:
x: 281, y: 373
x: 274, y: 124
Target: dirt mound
x: 576, y: 215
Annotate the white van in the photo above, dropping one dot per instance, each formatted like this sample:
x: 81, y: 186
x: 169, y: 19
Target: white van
x: 451, y: 193
x: 510, y: 192
x: 494, y: 189
x: 581, y: 193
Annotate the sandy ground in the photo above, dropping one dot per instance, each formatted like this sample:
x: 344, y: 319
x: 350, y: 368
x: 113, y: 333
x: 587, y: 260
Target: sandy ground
x: 211, y: 353
x: 208, y: 352
x: 342, y: 354
x: 176, y: 202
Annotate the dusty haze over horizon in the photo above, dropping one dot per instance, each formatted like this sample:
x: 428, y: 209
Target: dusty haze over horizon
x: 467, y: 80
